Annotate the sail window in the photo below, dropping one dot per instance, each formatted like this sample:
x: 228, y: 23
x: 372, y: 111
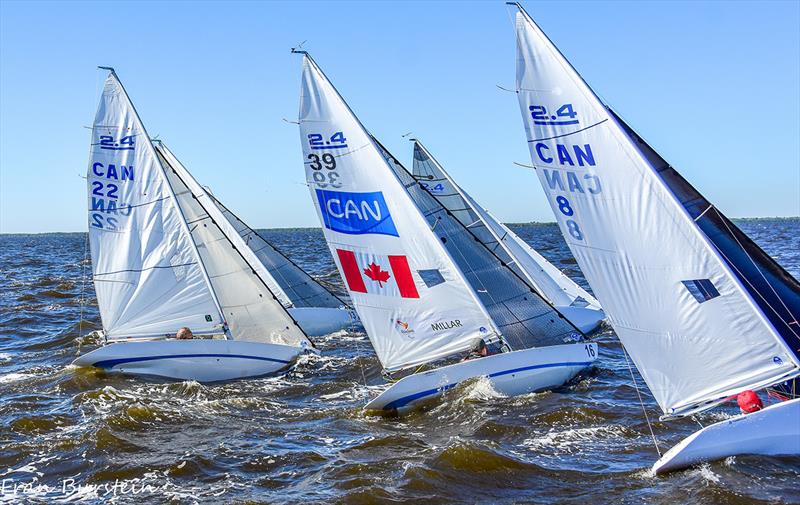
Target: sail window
x: 431, y: 278
x: 702, y: 289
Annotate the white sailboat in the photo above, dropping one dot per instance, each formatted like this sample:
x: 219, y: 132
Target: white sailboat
x: 164, y: 258
x: 701, y: 309
x: 423, y: 287
x: 572, y: 301
x: 316, y: 310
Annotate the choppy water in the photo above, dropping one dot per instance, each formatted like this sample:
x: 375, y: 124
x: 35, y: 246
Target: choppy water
x: 303, y: 438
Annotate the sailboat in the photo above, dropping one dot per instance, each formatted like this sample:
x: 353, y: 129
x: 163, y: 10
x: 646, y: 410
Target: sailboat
x: 702, y: 310
x: 572, y: 301
x: 424, y: 289
x: 164, y: 258
x: 316, y: 310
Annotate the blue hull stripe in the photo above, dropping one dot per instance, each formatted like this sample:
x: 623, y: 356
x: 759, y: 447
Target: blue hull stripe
x: 402, y: 402
x: 111, y: 363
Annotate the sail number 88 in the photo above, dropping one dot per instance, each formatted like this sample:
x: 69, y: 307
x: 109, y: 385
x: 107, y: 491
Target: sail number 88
x: 572, y: 226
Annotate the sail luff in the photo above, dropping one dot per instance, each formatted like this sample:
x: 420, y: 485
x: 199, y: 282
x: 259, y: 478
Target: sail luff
x: 691, y: 297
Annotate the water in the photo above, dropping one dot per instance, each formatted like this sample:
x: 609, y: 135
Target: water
x: 79, y: 435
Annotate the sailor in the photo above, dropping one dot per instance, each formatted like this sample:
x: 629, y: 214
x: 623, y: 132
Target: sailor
x: 184, y: 334
x: 478, y: 350
x: 749, y: 402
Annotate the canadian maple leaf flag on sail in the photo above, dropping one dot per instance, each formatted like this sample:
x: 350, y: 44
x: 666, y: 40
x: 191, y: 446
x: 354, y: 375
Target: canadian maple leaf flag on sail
x: 377, y: 274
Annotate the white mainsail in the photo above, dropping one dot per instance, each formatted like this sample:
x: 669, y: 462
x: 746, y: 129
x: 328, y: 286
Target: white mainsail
x: 302, y: 290
x: 696, y: 328
x: 410, y: 296
x: 251, y: 300
x: 551, y: 283
x: 146, y: 270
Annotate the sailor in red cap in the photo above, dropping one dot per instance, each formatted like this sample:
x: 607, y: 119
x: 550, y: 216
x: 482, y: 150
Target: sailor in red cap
x: 749, y: 402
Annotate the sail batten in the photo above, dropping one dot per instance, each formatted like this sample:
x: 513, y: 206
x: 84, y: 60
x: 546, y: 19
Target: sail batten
x: 688, y: 321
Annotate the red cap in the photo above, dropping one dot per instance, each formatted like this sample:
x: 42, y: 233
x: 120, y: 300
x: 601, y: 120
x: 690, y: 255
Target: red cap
x: 749, y: 402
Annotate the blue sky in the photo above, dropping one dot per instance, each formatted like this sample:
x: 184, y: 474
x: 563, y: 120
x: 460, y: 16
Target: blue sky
x: 715, y: 87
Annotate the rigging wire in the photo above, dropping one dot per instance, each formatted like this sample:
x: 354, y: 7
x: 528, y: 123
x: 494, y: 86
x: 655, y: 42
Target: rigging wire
x: 641, y: 402
x: 788, y: 311
x: 83, y: 289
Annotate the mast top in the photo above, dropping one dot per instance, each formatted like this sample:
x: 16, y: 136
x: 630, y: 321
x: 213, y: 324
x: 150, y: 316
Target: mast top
x: 110, y: 69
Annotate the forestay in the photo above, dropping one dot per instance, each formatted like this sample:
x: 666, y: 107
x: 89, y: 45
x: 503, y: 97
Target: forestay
x: 146, y: 271
x: 301, y: 289
x: 694, y: 332
x: 521, y: 315
x: 245, y: 291
x: 550, y: 282
x: 410, y: 296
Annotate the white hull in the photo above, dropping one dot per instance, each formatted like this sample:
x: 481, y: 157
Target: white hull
x: 198, y: 359
x: 586, y: 319
x: 318, y: 321
x: 512, y: 373
x: 773, y: 431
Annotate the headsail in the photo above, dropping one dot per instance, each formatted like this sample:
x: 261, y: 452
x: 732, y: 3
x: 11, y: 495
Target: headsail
x: 246, y: 292
x: 551, y: 283
x: 410, y: 296
x: 695, y: 332
x: 301, y: 289
x: 146, y: 271
x: 523, y: 316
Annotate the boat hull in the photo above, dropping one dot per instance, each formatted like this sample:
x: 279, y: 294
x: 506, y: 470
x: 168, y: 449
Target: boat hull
x: 512, y: 373
x: 585, y: 319
x: 198, y: 359
x: 318, y: 321
x: 773, y: 431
